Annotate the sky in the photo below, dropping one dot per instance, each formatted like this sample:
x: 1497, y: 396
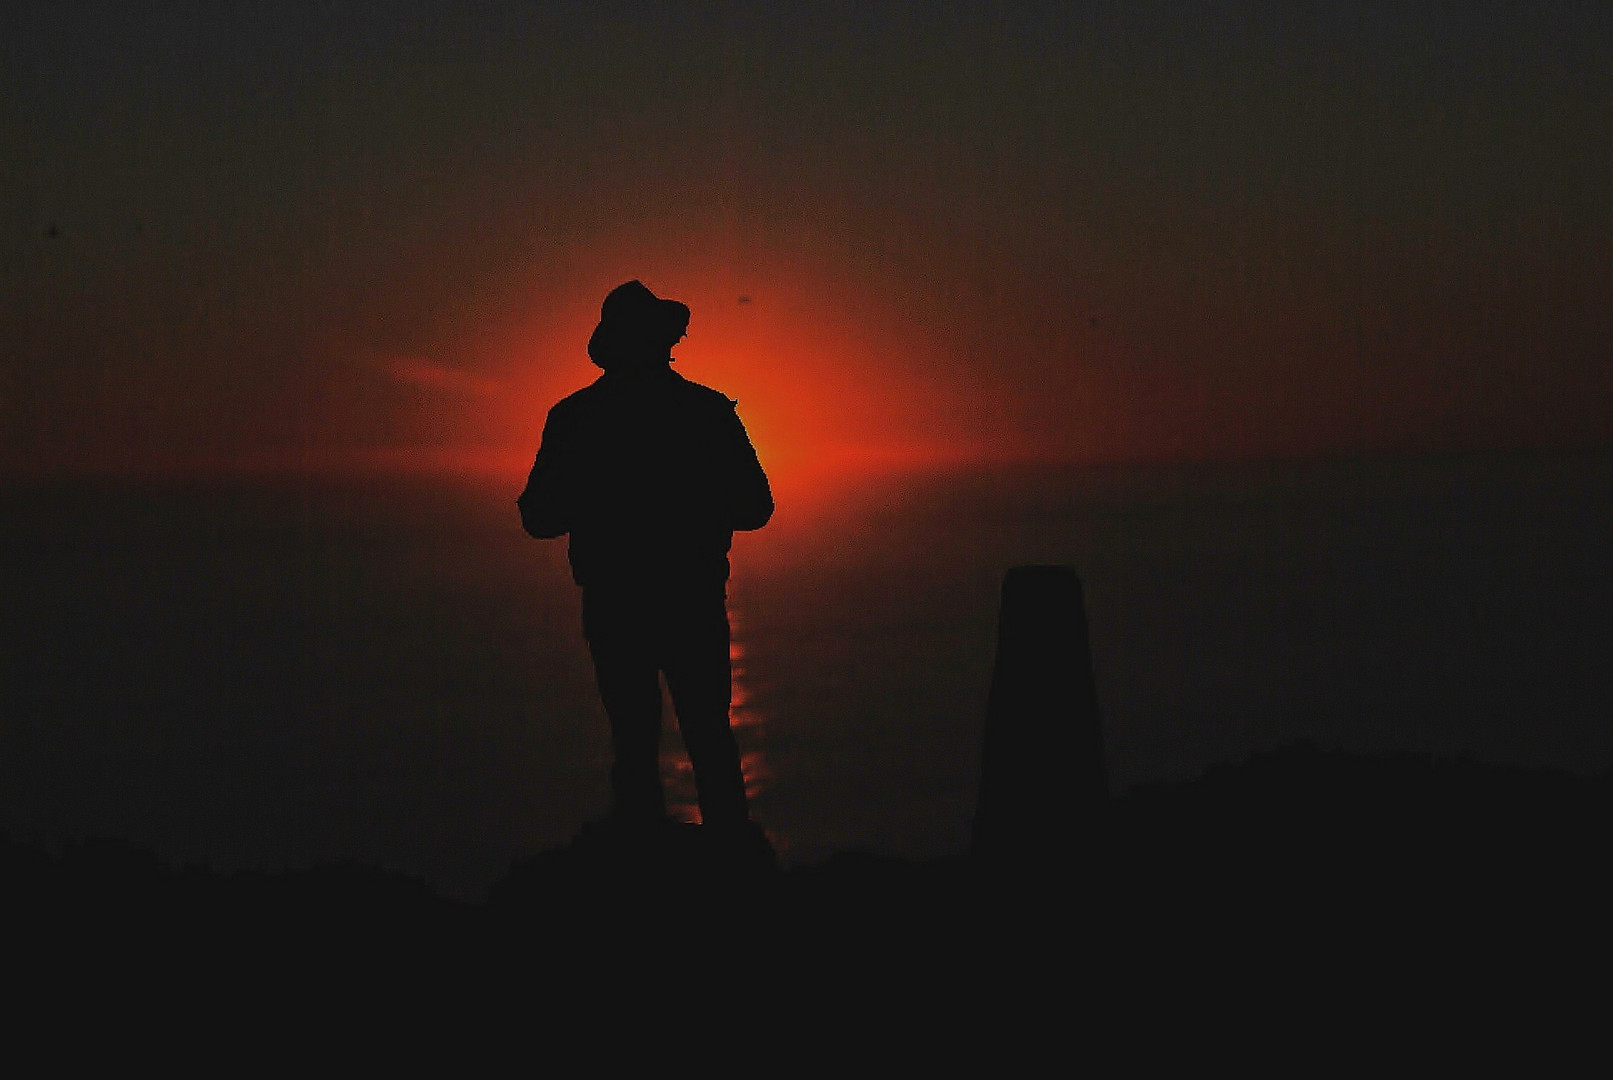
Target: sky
x: 312, y: 235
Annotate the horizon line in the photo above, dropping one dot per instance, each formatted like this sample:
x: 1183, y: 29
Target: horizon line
x: 844, y: 457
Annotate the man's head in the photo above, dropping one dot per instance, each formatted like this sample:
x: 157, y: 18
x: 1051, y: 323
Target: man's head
x: 636, y: 327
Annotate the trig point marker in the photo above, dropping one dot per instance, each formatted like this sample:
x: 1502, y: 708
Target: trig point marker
x: 1042, y: 777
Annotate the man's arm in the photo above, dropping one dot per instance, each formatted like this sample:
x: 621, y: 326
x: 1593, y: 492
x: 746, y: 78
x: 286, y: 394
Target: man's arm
x: 750, y: 498
x: 547, y: 503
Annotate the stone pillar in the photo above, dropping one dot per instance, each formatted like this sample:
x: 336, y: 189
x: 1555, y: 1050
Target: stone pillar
x: 1043, y: 785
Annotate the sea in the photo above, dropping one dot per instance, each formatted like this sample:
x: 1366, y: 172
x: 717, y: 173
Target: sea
x: 281, y: 672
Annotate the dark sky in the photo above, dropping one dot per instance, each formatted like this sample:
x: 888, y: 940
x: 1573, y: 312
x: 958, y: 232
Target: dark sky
x: 299, y: 232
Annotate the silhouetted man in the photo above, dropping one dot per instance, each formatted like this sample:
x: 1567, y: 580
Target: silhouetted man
x: 651, y: 474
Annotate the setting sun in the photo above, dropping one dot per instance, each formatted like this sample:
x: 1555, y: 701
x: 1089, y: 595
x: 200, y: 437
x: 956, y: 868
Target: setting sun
x: 828, y: 388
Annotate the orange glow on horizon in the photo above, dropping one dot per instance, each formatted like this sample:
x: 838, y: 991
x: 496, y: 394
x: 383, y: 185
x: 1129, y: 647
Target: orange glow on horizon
x: 831, y: 386
x: 834, y: 386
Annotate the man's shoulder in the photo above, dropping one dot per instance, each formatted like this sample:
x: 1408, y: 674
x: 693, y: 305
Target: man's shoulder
x: 704, y: 395
x: 604, y: 396
x: 577, y: 401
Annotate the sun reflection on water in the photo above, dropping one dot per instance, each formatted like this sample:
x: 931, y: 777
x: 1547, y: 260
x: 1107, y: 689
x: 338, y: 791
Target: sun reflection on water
x: 747, y: 720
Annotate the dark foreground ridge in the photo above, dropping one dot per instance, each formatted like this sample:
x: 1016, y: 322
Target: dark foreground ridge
x: 1297, y: 853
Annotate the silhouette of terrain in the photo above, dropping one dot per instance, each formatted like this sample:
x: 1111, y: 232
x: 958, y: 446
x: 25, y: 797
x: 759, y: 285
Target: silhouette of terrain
x: 1300, y: 863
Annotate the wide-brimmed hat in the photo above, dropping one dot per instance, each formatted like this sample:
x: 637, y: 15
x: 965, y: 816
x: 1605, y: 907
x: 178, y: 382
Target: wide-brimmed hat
x: 634, y: 323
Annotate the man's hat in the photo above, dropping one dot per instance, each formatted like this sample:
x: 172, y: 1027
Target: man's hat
x: 634, y: 323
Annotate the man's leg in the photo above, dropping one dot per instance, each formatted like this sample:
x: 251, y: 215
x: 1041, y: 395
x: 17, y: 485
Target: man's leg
x: 699, y: 675
x: 630, y: 688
